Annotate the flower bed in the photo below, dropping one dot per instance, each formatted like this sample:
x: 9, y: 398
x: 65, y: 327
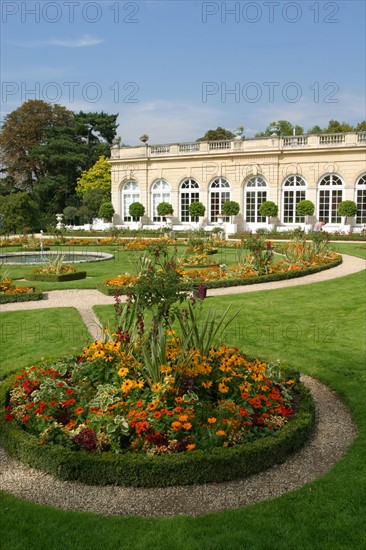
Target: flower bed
x: 128, y: 435
x: 151, y: 406
x: 10, y: 293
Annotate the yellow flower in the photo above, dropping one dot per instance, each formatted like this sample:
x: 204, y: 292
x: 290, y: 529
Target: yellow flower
x: 127, y: 385
x: 123, y: 371
x: 223, y: 388
x: 156, y: 387
x: 207, y: 384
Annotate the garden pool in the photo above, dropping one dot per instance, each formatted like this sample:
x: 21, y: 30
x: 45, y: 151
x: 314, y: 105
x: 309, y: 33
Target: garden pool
x: 30, y: 258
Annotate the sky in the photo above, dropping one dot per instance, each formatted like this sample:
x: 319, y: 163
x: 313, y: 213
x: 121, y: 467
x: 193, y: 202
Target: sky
x: 174, y: 69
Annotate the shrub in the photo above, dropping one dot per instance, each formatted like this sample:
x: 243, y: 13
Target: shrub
x: 197, y: 209
x: 268, y: 209
x: 106, y: 211
x: 230, y: 208
x: 305, y: 208
x: 136, y: 210
x: 348, y: 209
x: 164, y: 209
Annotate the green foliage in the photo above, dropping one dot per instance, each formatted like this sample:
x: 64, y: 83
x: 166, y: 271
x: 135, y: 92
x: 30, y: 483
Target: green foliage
x: 136, y: 210
x: 197, y: 209
x: 92, y: 200
x: 282, y: 128
x: 159, y: 471
x: 217, y: 135
x: 268, y: 209
x: 305, y: 208
x: 53, y: 277
x: 70, y: 213
x: 230, y: 208
x: 97, y: 177
x: 347, y: 209
x: 18, y: 212
x: 164, y: 209
x: 106, y: 211
x: 21, y: 297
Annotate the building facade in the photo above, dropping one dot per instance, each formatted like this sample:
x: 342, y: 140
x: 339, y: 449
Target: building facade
x: 325, y: 169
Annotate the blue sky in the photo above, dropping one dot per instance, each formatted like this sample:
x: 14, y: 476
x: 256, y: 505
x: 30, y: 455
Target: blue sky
x: 174, y: 69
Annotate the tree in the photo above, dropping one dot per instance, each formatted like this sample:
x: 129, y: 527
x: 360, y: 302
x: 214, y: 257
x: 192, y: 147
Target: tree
x: 164, y: 209
x: 44, y: 148
x: 361, y: 126
x: 106, y: 211
x: 24, y: 129
x: 348, y: 209
x: 97, y: 177
x: 92, y: 201
x: 70, y: 213
x: 281, y: 128
x: 19, y: 212
x: 197, y: 209
x: 217, y: 135
x: 230, y: 208
x: 315, y: 130
x: 136, y: 210
x: 268, y: 209
x: 305, y: 208
x: 335, y: 127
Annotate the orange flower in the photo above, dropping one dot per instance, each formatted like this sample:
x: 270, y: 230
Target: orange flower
x: 157, y: 414
x: 79, y: 410
x: 220, y: 432
x: 176, y: 426
x: 187, y: 425
x: 190, y: 446
x: 211, y: 420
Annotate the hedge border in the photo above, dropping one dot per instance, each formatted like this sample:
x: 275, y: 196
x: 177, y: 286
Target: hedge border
x: 53, y: 277
x: 21, y: 297
x: 133, y: 470
x: 271, y: 277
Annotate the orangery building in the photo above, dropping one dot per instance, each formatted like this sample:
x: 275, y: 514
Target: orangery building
x: 325, y: 169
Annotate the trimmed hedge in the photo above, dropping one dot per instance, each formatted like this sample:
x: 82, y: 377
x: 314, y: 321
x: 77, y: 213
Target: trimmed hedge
x: 134, y: 470
x: 53, y: 277
x: 271, y: 277
x: 21, y: 297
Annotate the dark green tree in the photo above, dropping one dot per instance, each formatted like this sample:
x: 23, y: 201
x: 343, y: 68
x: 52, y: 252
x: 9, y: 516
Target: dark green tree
x: 19, y: 213
x: 281, y: 127
x: 217, y: 135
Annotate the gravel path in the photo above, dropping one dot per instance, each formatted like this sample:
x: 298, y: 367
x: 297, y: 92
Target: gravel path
x: 334, y: 433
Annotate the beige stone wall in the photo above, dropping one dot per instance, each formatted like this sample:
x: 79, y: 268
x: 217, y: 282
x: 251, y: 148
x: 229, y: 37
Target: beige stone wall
x: 256, y: 157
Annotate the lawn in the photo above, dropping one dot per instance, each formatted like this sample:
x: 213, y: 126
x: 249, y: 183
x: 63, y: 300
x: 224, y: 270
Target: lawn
x: 320, y: 328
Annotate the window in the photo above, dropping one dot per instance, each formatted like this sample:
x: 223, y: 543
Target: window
x: 160, y: 192
x: 255, y: 194
x: 294, y: 191
x: 130, y: 194
x: 219, y: 193
x: 361, y: 199
x: 189, y: 192
x: 330, y: 195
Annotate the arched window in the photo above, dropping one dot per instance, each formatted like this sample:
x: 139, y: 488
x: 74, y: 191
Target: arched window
x: 361, y: 199
x: 294, y: 191
x: 219, y: 193
x: 330, y: 195
x: 188, y: 193
x: 255, y: 194
x: 160, y: 192
x: 130, y: 193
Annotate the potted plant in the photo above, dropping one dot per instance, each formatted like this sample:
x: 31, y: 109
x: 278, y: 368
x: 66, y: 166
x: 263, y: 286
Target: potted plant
x: 196, y: 209
x: 347, y: 209
x: 269, y: 209
x: 164, y: 210
x: 136, y: 211
x: 230, y: 208
x: 305, y: 208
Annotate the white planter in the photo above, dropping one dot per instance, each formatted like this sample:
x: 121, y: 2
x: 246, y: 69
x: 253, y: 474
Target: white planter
x: 135, y: 225
x: 231, y: 228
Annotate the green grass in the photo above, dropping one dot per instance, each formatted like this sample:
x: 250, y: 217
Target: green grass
x: 320, y: 328
x: 27, y: 336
